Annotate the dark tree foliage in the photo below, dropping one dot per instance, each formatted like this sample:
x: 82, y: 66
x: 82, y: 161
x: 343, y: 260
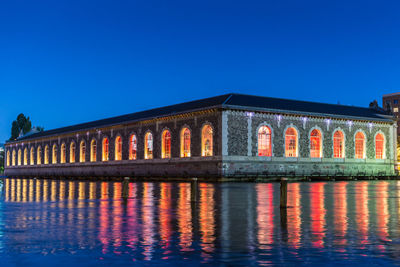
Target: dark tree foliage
x: 21, y: 125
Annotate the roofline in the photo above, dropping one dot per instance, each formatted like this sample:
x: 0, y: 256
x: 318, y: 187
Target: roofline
x: 392, y: 94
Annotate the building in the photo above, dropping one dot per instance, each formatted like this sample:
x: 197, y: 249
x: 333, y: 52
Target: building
x: 228, y: 136
x: 391, y: 102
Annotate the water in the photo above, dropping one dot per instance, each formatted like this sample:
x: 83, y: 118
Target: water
x: 76, y: 223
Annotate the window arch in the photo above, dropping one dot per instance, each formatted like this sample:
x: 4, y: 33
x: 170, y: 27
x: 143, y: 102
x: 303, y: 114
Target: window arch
x: 291, y: 146
x: 379, y: 146
x: 207, y: 141
x: 14, y: 155
x: 359, y: 145
x: 338, y: 144
x: 315, y: 144
x: 19, y: 157
x: 82, y: 151
x: 166, y: 144
x: 118, y: 148
x: 39, y: 155
x: 46, y: 154
x: 72, y: 152
x: 8, y: 158
x: 26, y: 156
x: 63, y: 156
x: 264, y: 141
x: 185, y: 142
x: 105, y: 149
x: 55, y: 151
x: 148, y: 146
x: 93, y: 151
x: 132, y: 147
x: 32, y: 157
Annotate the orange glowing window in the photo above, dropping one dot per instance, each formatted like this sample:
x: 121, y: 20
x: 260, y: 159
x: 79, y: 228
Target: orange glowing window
x: 118, y: 148
x: 379, y: 146
x: 93, y: 151
x: 46, y: 154
x: 166, y: 144
x: 315, y: 144
x: 63, y: 153
x: 185, y: 143
x: 148, y: 146
x: 19, y: 157
x: 132, y: 147
x: 26, y: 156
x: 82, y: 151
x: 39, y: 156
x: 14, y: 155
x: 72, y: 152
x: 291, y: 142
x: 360, y: 145
x: 338, y: 144
x: 207, y: 141
x: 264, y: 141
x: 32, y: 157
x: 55, y: 150
x: 105, y: 149
x: 8, y: 158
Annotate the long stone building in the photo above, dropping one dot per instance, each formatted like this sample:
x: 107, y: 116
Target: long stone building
x: 223, y: 137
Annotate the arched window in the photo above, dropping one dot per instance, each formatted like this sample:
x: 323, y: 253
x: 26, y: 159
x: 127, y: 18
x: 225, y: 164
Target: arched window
x: 264, y: 141
x: 166, y: 144
x: 82, y: 152
x: 72, y: 152
x: 46, y: 154
x: 380, y: 146
x: 93, y: 151
x: 63, y: 155
x: 315, y: 144
x: 118, y: 148
x: 360, y: 145
x: 32, y: 157
x: 291, y: 142
x: 338, y: 144
x: 39, y: 155
x: 105, y: 151
x: 207, y: 141
x: 26, y: 156
x: 185, y: 143
x: 55, y: 151
x: 19, y: 157
x: 8, y: 158
x: 14, y: 156
x: 148, y: 146
x: 132, y: 147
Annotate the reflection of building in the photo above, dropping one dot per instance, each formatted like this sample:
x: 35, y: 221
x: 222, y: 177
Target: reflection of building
x: 225, y: 136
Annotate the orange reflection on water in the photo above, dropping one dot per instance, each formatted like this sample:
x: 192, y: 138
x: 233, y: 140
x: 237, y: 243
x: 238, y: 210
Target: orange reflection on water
x: 117, y: 217
x: 165, y: 216
x: 265, y: 214
x: 340, y: 212
x: 38, y: 190
x: 148, y: 221
x: 18, y: 193
x: 382, y: 211
x: 294, y: 215
x: 362, y: 214
x: 317, y: 214
x: 103, y: 218
x: 24, y: 190
x: 7, y: 189
x: 207, y: 218
x: 184, y: 217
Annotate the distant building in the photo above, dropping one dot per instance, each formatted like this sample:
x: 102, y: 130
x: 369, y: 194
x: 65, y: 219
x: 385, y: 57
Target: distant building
x: 228, y: 136
x: 391, y: 102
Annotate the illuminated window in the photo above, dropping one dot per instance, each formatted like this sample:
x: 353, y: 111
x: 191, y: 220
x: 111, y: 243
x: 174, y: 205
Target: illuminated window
x: 264, y: 141
x: 72, y: 152
x: 360, y: 145
x: 291, y: 142
x: 315, y: 144
x: 185, y: 143
x: 132, y: 147
x: 379, y: 146
x: 118, y: 148
x: 148, y: 146
x: 8, y: 158
x: 32, y: 157
x: 39, y: 156
x: 396, y: 110
x: 105, y: 154
x: 93, y: 151
x: 207, y: 141
x: 26, y: 156
x: 166, y: 144
x: 46, y: 154
x: 338, y: 144
x: 82, y: 152
x: 63, y: 155
x: 14, y: 155
x: 54, y: 158
x: 19, y: 157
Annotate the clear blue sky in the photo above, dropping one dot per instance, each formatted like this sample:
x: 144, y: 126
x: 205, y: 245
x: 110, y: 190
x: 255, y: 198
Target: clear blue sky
x: 67, y: 62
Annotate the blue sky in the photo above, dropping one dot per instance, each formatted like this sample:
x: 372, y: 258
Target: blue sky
x: 67, y: 62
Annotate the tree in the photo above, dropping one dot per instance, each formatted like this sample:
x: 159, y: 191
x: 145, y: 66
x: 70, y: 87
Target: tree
x: 21, y: 125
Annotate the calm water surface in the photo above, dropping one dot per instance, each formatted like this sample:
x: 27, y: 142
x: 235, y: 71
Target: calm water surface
x: 75, y: 223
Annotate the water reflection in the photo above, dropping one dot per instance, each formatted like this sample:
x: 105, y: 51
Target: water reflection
x: 231, y: 223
